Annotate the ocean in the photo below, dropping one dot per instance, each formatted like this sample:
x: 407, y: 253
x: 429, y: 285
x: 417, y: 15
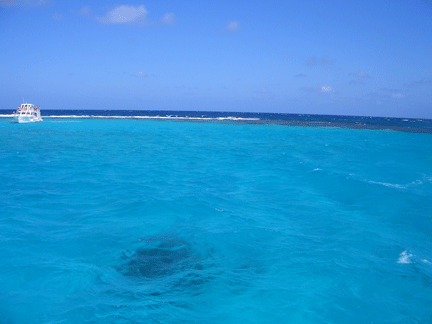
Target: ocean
x: 204, y: 217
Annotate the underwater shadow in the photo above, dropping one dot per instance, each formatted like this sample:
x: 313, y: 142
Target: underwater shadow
x: 170, y: 261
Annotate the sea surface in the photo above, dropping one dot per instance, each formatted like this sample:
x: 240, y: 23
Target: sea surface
x: 198, y: 217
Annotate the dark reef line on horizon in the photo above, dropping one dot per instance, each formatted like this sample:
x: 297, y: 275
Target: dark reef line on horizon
x: 412, y: 125
x: 347, y: 125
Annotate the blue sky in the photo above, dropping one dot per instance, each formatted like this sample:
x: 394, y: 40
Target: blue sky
x: 370, y: 58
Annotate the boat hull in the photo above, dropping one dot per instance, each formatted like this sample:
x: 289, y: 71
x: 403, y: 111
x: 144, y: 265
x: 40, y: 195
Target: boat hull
x: 26, y: 119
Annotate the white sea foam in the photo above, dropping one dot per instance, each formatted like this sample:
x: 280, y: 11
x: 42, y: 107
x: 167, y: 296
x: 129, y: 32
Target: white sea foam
x: 151, y: 117
x: 140, y: 117
x: 317, y: 169
x: 405, y: 257
x: 68, y: 116
x: 398, y: 186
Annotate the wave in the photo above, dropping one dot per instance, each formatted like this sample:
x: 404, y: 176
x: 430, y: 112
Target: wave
x: 405, y: 257
x: 150, y: 117
x: 395, y: 185
x: 391, y: 185
x: 229, y: 118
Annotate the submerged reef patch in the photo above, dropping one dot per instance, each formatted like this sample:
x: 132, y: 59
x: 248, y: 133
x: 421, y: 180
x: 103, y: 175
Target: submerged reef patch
x: 166, y: 258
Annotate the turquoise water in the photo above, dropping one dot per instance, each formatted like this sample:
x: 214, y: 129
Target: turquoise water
x: 142, y: 221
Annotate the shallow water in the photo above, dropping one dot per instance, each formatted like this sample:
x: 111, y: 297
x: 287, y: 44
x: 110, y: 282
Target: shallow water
x: 125, y: 221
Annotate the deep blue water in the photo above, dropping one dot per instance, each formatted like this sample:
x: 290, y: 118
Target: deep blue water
x: 159, y: 221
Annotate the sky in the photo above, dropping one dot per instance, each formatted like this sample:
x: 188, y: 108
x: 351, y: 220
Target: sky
x: 361, y: 58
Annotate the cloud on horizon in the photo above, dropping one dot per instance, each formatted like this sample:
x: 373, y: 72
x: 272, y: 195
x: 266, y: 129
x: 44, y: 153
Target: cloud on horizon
x: 84, y: 11
x: 360, y: 74
x: 232, y: 27
x: 168, y: 19
x: 264, y: 94
x: 140, y: 74
x: 356, y: 82
x: 314, y: 61
x: 124, y: 14
x: 389, y: 90
x: 384, y: 94
x: 422, y: 82
x: 327, y: 89
x: 23, y: 3
x: 398, y: 95
x: 261, y: 94
x: 320, y: 89
x: 57, y: 16
x: 129, y: 15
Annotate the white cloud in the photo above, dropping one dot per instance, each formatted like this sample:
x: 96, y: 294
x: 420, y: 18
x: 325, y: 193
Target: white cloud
x: 314, y: 61
x: 57, y: 16
x: 264, y: 94
x: 320, y: 89
x: 125, y: 15
x: 327, y: 89
x: 386, y: 93
x: 130, y: 15
x: 84, y: 11
x: 389, y: 90
x: 360, y: 74
x: 326, y: 60
x: 311, y: 61
x: 422, y: 82
x: 263, y: 91
x: 397, y: 95
x: 168, y: 19
x: 23, y: 3
x: 140, y: 74
x: 232, y: 27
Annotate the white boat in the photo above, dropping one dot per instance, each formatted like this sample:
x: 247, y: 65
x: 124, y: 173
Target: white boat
x: 27, y: 113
